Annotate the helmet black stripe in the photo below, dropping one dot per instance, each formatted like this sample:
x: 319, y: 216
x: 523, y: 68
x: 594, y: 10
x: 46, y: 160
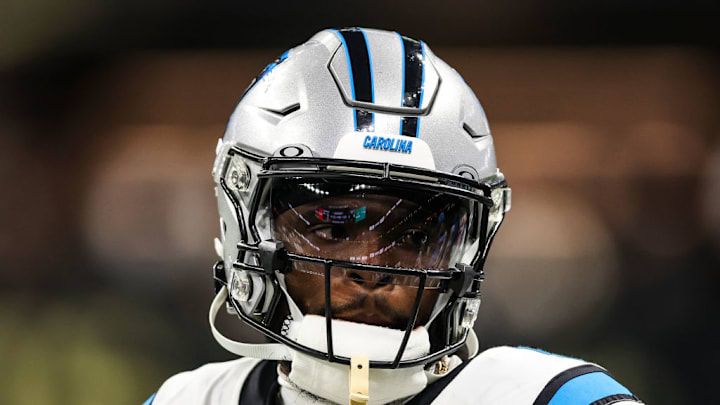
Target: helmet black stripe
x: 413, y: 77
x: 359, y: 64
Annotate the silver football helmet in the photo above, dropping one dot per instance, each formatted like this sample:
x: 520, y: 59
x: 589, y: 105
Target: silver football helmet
x: 357, y: 159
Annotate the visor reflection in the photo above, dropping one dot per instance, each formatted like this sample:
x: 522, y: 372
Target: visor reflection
x: 370, y: 224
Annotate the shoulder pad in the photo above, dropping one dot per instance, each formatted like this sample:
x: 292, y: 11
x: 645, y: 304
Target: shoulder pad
x: 529, y: 376
x: 213, y: 383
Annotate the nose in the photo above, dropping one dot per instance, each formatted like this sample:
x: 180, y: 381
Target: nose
x: 370, y: 280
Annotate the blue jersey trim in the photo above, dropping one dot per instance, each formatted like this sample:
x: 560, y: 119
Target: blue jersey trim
x: 534, y: 349
x: 586, y: 389
x: 150, y: 400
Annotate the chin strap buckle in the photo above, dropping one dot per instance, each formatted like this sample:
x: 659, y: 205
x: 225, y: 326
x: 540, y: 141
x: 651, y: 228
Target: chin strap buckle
x: 219, y: 279
x: 359, y: 380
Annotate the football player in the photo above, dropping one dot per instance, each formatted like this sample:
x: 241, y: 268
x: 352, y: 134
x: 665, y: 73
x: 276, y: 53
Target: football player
x: 359, y: 194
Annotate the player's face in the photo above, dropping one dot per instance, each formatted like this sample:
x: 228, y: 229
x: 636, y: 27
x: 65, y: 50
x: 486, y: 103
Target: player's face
x: 372, y: 229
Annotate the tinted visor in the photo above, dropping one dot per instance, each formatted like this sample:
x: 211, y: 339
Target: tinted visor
x: 371, y: 224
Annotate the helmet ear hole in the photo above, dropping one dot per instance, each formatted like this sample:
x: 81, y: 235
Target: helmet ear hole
x: 466, y: 171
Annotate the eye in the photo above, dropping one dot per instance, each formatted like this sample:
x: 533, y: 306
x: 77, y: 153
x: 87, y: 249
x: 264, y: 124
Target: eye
x: 329, y: 231
x: 413, y: 238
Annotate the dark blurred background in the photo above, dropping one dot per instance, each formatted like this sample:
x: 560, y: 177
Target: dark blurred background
x: 605, y: 118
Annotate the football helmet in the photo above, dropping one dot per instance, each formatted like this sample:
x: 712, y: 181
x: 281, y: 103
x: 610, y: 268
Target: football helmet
x: 357, y: 159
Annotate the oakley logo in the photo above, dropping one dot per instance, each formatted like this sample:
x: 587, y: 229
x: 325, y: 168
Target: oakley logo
x: 389, y: 144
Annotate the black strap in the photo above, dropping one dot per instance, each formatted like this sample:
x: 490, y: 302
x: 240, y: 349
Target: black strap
x: 559, y: 380
x: 431, y: 392
x: 260, y: 386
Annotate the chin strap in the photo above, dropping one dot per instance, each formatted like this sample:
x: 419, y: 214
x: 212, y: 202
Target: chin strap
x: 473, y: 345
x: 359, y: 380
x: 268, y: 351
x: 278, y: 351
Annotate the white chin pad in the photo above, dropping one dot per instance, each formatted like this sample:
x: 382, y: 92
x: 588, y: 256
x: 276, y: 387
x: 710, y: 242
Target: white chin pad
x: 356, y: 339
x: 330, y: 380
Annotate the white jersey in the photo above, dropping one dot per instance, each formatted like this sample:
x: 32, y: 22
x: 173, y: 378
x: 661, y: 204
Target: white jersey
x: 502, y: 375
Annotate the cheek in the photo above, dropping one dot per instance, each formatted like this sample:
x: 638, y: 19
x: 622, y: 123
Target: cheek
x: 403, y: 299
x: 307, y: 290
x: 427, y: 303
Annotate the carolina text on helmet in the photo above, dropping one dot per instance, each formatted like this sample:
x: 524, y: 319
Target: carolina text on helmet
x: 390, y: 144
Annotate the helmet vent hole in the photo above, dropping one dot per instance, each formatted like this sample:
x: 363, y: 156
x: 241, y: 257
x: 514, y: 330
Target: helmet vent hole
x: 471, y: 132
x: 285, y: 111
